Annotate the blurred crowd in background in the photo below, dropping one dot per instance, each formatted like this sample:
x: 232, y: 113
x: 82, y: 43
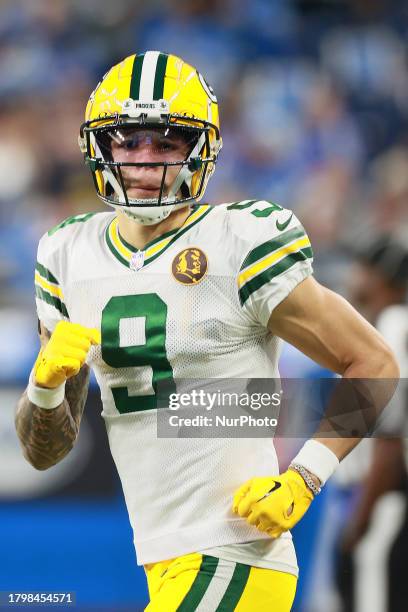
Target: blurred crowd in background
x: 314, y: 116
x: 313, y: 97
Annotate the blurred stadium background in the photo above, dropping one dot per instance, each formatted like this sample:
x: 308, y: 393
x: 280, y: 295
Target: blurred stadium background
x: 314, y: 109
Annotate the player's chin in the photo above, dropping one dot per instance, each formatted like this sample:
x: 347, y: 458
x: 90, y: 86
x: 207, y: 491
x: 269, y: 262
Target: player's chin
x: 137, y: 193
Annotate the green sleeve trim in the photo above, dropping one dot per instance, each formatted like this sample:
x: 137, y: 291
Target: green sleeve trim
x: 45, y: 273
x: 272, y: 245
x: 51, y: 300
x: 267, y: 275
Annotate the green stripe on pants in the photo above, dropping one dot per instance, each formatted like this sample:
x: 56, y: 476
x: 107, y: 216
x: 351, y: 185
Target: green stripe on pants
x: 235, y: 588
x: 200, y: 585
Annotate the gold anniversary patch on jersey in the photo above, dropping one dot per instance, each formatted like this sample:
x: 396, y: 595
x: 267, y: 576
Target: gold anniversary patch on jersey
x: 190, y: 266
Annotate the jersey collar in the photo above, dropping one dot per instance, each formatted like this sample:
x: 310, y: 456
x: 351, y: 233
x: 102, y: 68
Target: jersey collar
x: 124, y: 252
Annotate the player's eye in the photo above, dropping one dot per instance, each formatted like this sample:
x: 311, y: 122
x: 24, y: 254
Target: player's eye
x: 155, y: 142
x: 168, y: 141
x: 130, y: 143
x: 164, y: 144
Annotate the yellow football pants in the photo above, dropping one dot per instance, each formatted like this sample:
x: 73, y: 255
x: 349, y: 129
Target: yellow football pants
x: 200, y: 583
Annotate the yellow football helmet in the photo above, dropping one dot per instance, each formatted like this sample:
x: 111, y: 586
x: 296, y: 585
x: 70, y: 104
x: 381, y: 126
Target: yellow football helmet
x: 156, y: 94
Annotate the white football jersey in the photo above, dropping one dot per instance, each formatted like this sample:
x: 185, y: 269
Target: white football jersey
x: 194, y: 304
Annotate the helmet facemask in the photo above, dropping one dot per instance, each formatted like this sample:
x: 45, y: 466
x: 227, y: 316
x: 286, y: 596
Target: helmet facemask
x: 111, y: 144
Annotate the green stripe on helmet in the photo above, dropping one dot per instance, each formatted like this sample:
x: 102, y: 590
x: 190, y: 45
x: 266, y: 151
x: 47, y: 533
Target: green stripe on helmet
x: 136, y: 76
x: 158, y: 88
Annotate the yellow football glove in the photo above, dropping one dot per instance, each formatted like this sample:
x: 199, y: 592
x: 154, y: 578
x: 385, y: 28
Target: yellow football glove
x: 65, y: 353
x: 273, y: 504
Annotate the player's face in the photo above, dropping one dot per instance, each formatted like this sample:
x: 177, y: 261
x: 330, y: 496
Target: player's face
x: 147, y: 146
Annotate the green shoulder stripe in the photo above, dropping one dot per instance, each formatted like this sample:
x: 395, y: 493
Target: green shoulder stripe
x: 272, y: 245
x: 264, y: 277
x: 51, y: 300
x: 70, y: 220
x: 241, y: 205
x: 256, y: 212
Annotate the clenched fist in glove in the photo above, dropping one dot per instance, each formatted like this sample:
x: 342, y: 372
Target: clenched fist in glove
x: 274, y: 504
x: 65, y: 354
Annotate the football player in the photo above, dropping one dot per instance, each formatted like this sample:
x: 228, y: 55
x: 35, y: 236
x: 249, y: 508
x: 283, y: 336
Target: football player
x: 163, y: 288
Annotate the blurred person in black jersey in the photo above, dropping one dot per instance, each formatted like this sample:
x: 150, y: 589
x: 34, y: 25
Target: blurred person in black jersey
x: 379, y: 291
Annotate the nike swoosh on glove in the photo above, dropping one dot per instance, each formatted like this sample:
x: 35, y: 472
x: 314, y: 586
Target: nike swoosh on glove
x: 64, y: 354
x: 274, y: 504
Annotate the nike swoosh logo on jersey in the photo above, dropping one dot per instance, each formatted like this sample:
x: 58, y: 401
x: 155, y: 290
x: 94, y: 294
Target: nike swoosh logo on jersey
x: 284, y: 225
x: 275, y: 487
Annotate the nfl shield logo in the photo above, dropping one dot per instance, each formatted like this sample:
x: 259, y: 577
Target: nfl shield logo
x: 137, y: 260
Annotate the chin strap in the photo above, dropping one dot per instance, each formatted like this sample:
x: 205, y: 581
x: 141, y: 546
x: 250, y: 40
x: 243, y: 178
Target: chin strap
x: 142, y: 215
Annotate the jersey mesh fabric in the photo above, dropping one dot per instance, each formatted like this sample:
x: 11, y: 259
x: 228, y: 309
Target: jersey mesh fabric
x: 178, y: 491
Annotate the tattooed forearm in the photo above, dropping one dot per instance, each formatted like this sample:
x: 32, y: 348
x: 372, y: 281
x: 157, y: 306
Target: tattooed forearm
x: 76, y: 391
x: 47, y: 436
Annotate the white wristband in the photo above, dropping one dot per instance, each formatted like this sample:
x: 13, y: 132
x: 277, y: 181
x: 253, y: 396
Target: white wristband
x: 45, y: 398
x: 317, y: 459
